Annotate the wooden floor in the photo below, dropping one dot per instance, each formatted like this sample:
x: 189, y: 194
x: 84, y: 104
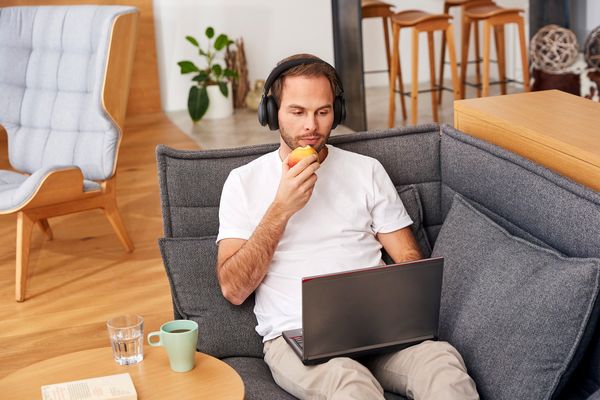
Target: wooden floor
x: 83, y: 277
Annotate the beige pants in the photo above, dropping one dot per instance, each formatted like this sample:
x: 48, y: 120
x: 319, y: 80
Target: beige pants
x: 430, y: 370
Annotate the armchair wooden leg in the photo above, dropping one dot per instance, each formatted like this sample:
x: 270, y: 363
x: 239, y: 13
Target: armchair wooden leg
x: 45, y: 226
x: 112, y: 213
x: 24, y: 227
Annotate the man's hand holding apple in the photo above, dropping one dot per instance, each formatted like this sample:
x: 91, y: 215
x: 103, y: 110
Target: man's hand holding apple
x: 297, y: 183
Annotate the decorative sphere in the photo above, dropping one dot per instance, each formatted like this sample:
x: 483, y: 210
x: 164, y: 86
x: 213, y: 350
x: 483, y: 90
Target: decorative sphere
x: 553, y: 49
x: 592, y: 49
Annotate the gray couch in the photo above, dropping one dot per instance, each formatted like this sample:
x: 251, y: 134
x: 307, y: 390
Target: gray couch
x: 521, y: 278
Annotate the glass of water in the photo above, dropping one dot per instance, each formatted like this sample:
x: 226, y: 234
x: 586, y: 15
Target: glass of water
x: 126, y: 334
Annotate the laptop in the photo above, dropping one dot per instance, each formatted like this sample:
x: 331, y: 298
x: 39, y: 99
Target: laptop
x: 368, y: 311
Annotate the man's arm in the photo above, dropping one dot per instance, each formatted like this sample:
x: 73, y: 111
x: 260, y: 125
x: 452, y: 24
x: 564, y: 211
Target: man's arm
x: 243, y: 264
x: 401, y: 245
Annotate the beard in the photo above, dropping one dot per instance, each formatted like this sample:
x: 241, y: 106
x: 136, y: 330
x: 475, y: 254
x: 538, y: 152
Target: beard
x: 294, y: 143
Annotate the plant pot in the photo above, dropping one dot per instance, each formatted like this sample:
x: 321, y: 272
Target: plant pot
x: 219, y: 106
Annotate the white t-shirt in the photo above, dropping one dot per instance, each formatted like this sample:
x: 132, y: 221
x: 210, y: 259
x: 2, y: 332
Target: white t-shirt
x: 352, y: 201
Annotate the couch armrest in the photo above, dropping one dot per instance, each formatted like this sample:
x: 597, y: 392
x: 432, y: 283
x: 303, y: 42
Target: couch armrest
x: 595, y: 395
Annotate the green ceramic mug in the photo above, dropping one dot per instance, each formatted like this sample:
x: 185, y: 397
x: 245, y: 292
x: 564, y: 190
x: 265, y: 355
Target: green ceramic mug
x: 179, y: 338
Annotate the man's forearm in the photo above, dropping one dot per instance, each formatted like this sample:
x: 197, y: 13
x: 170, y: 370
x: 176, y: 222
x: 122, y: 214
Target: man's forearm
x: 241, y: 273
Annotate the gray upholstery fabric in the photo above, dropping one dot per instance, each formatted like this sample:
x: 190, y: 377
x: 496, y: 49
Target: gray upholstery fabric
x: 530, y: 201
x: 225, y: 330
x: 52, y: 64
x: 520, y: 192
x: 519, y: 314
x: 525, y: 199
x: 412, y: 202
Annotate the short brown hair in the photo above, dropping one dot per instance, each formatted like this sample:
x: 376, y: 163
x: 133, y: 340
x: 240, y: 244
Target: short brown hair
x: 312, y: 70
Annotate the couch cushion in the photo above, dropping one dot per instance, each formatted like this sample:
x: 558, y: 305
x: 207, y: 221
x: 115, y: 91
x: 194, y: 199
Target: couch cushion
x: 520, y: 315
x: 412, y: 202
x: 225, y: 330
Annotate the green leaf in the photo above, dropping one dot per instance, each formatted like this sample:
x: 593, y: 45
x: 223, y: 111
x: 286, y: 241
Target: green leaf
x: 221, y: 42
x: 210, y: 32
x: 202, y: 76
x: 217, y: 69
x: 224, y: 89
x: 197, y: 102
x: 230, y: 73
x: 192, y: 40
x: 187, y: 67
x: 202, y: 52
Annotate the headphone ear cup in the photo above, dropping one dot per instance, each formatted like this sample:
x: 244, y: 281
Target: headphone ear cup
x: 272, y: 111
x: 339, y: 111
x: 343, y: 109
x: 262, y: 112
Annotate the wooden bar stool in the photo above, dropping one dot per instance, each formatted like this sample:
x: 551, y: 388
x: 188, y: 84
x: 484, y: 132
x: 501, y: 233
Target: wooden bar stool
x: 496, y: 17
x: 421, y: 21
x: 448, y: 4
x: 383, y: 10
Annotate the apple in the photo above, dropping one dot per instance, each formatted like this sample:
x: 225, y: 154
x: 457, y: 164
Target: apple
x: 299, y: 153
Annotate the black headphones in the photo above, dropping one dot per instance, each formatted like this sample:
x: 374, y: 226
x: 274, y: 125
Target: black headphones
x: 268, y: 107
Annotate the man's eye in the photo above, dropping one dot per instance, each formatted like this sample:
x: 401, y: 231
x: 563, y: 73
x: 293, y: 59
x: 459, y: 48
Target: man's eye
x: 323, y: 112
x: 297, y: 112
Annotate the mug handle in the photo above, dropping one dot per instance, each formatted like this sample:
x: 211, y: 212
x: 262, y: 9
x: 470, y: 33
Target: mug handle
x: 153, y: 334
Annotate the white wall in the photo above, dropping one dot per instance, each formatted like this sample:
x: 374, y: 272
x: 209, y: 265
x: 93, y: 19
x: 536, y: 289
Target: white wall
x: 593, y: 15
x: 273, y: 30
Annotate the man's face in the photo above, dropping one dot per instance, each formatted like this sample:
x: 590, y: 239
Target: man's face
x: 305, y: 113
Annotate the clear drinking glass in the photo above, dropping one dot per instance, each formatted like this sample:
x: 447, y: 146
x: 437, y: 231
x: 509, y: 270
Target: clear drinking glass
x: 126, y: 335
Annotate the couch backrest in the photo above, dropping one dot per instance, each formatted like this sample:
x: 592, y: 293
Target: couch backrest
x: 531, y: 202
x: 190, y: 187
x: 52, y: 67
x: 191, y: 181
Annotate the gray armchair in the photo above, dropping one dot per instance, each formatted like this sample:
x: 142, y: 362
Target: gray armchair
x: 64, y: 79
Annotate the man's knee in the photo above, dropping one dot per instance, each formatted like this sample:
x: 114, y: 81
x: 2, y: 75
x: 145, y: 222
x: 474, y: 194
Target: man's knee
x: 439, y: 353
x: 344, y: 372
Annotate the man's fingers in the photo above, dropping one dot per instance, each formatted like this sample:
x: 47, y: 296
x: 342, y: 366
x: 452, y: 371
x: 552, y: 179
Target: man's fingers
x: 303, y: 164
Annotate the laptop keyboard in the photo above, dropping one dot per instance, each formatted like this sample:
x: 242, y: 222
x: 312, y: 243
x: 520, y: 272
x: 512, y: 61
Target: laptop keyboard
x: 299, y: 340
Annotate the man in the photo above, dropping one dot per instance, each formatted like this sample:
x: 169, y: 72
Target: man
x: 331, y: 212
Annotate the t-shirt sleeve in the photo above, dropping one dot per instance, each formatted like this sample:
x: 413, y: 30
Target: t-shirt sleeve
x: 387, y: 210
x: 234, y: 220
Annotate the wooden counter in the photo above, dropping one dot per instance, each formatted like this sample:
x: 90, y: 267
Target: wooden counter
x: 555, y: 129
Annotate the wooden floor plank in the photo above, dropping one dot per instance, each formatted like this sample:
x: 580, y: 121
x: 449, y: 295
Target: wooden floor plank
x: 83, y: 277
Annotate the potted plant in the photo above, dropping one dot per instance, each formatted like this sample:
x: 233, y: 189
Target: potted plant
x: 209, y: 95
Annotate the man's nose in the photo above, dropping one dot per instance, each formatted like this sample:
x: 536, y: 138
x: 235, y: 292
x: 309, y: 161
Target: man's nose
x: 310, y: 123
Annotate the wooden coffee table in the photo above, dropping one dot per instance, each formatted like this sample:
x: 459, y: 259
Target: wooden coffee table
x: 555, y: 129
x: 211, y: 378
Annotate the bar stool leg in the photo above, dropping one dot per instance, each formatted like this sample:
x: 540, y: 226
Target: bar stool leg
x: 443, y: 57
x: 524, y: 62
x: 386, y: 37
x: 486, y: 58
x: 477, y: 57
x: 415, y: 75
x: 393, y: 72
x: 501, y: 56
x: 401, y: 84
x: 464, y: 52
x: 453, y: 66
x: 434, y: 103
